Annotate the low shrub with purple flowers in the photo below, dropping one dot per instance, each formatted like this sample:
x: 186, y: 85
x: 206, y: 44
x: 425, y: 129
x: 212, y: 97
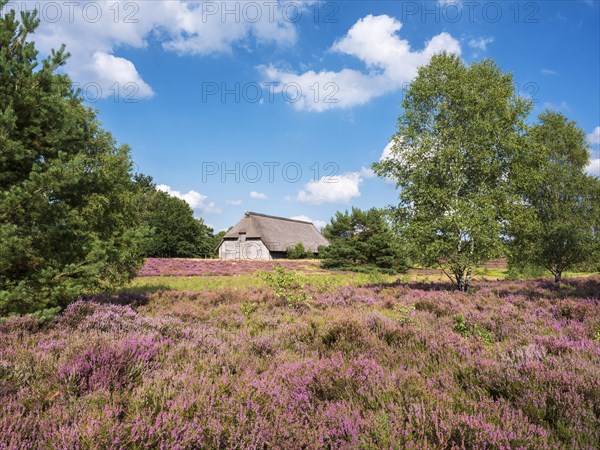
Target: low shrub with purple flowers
x: 514, y: 364
x: 215, y: 267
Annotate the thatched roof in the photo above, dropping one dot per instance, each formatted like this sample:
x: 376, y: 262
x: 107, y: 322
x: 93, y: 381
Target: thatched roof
x: 278, y: 233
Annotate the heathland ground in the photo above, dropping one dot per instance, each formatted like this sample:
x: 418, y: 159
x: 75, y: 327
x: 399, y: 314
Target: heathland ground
x: 225, y: 354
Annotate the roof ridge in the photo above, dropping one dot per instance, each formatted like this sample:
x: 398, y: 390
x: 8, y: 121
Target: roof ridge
x: 250, y: 213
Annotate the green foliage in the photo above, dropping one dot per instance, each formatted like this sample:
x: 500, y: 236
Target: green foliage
x: 558, y: 222
x: 68, y: 222
x: 458, y: 137
x: 466, y: 329
x: 461, y: 326
x: 362, y: 241
x: 297, y: 252
x: 172, y: 229
x: 520, y: 271
x: 400, y: 313
x: 248, y: 309
x: 287, y: 286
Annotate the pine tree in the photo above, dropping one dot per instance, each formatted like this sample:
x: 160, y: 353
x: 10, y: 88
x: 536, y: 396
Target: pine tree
x: 68, y: 221
x: 363, y: 241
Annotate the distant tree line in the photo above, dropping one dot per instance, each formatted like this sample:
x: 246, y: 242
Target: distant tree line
x: 171, y: 230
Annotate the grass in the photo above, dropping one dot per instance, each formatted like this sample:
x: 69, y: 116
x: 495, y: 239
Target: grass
x: 254, y: 280
x: 312, y: 276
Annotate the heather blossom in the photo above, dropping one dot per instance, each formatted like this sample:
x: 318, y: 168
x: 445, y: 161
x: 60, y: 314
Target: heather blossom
x: 513, y: 364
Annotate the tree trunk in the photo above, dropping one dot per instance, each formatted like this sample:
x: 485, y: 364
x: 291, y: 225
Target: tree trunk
x: 463, y: 280
x: 460, y: 282
x: 468, y: 280
x: 558, y: 277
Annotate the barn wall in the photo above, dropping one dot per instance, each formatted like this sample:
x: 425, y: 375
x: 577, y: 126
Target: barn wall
x: 244, y: 250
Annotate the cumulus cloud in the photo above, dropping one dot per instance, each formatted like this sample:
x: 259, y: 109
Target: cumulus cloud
x: 385, y: 154
x: 216, y: 27
x: 195, y: 199
x: 593, y: 167
x: 317, y: 223
x: 390, y: 62
x: 109, y: 69
x: 94, y: 32
x: 367, y: 172
x: 480, y: 43
x: 336, y: 189
x: 234, y: 202
x: 594, y: 136
x: 561, y: 107
x: 258, y: 195
x: 548, y: 72
x: 387, y: 151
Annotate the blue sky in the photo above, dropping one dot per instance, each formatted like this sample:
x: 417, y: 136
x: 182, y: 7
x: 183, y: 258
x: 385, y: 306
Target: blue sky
x: 196, y: 72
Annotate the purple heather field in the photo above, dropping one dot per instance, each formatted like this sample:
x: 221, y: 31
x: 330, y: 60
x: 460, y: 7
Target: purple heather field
x: 513, y: 364
x: 216, y: 267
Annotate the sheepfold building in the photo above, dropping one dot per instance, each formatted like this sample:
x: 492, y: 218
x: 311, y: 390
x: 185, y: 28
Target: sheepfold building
x: 259, y: 236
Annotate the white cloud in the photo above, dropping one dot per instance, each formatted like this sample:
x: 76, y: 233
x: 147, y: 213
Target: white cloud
x: 216, y: 27
x: 367, y: 172
x: 387, y: 151
x: 561, y: 107
x: 548, y: 72
x: 594, y: 136
x: 94, y: 32
x: 593, y: 168
x: 385, y: 154
x: 480, y: 43
x: 193, y: 198
x: 389, y: 59
x: 450, y: 2
x: 317, y: 223
x: 336, y: 189
x: 109, y: 69
x: 234, y: 202
x: 258, y: 195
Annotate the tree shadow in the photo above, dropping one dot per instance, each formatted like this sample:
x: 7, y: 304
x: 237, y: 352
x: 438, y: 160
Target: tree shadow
x: 414, y: 285
x: 132, y: 296
x: 587, y: 288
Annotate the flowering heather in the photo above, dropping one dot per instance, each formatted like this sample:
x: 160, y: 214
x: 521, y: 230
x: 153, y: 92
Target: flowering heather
x: 215, y: 267
x: 514, y: 364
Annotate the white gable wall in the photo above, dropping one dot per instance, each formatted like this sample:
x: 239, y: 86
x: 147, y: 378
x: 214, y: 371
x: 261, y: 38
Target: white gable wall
x: 244, y: 250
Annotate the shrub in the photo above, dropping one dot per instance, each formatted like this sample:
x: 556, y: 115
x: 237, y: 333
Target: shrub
x: 466, y: 329
x: 297, y: 251
x: 248, y: 309
x: 287, y: 286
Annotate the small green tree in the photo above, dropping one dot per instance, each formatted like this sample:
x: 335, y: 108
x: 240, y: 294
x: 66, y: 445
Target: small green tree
x: 457, y: 141
x: 362, y: 240
x: 297, y: 251
x: 68, y: 221
x: 287, y: 286
x: 558, y: 224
